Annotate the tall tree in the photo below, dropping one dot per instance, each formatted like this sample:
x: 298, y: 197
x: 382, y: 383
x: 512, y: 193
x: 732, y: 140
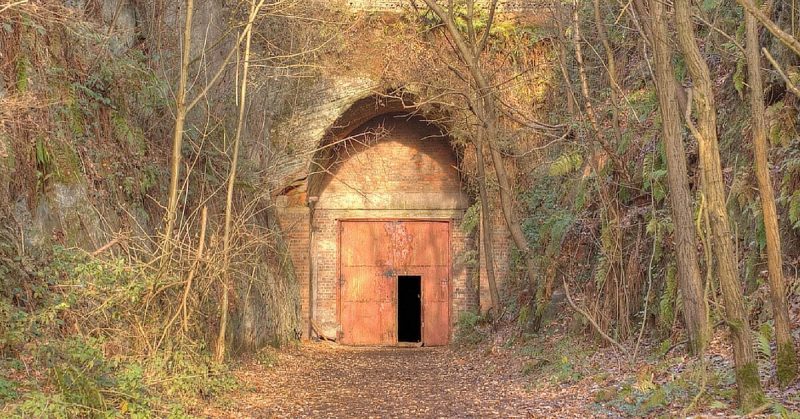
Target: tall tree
x: 785, y: 37
x: 695, y: 309
x: 219, y: 348
x: 722, y: 247
x: 487, y: 113
x: 181, y: 111
x: 787, y: 358
x: 486, y: 224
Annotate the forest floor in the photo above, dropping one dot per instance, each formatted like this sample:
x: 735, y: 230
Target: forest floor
x: 327, y: 380
x: 505, y: 374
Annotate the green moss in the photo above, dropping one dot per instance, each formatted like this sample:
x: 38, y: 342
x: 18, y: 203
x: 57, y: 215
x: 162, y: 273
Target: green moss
x: 74, y: 116
x: 750, y: 394
x: 66, y: 163
x: 787, y: 365
x: 23, y: 67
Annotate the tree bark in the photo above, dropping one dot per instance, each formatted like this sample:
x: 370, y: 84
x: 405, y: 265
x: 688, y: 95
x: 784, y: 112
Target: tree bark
x: 611, y: 69
x: 695, y: 308
x: 486, y: 226
x: 750, y: 393
x: 787, y: 358
x: 177, y: 136
x: 590, y: 114
x: 219, y: 349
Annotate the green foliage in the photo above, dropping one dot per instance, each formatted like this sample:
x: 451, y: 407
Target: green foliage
x: 643, y: 103
x: 654, y: 172
x: 763, y: 338
x: 794, y: 209
x: 709, y: 5
x: 739, y: 76
x: 469, y: 328
x: 96, y: 373
x: 559, y: 362
x: 669, y: 297
x: 472, y: 218
x: 80, y: 372
x: 8, y: 390
x: 566, y: 163
x: 657, y: 389
x: 45, y: 167
x: 23, y: 76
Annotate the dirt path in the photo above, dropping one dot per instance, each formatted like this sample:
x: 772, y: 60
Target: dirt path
x: 329, y: 381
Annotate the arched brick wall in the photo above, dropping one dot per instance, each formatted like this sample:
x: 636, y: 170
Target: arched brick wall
x: 392, y: 166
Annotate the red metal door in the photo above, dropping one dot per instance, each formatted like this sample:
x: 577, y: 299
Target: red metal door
x: 435, y: 306
x: 372, y: 254
x: 368, y: 286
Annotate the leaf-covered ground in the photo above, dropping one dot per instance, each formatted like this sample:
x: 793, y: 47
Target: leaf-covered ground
x: 322, y: 380
x: 502, y: 373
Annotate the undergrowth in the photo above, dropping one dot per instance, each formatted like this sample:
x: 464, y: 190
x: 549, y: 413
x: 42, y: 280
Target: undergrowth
x: 79, y: 336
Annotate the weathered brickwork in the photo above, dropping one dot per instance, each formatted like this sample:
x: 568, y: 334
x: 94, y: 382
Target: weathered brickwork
x: 402, y: 170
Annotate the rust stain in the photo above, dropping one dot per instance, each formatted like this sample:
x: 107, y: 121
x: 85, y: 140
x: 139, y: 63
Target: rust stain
x: 373, y: 253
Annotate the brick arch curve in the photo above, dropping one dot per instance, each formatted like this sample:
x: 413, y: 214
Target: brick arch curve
x: 397, y: 102
x: 384, y: 166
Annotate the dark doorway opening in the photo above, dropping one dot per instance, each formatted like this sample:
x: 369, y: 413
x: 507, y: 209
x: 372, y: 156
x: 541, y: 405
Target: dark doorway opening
x: 409, y: 308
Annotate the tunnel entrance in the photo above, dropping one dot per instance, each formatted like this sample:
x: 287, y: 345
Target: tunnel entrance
x: 394, y: 279
x: 409, y: 308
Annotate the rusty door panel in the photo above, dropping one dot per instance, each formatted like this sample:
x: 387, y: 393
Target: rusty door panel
x: 365, y: 244
x: 435, y: 306
x: 372, y: 254
x: 426, y: 244
x: 368, y: 312
x: 365, y: 284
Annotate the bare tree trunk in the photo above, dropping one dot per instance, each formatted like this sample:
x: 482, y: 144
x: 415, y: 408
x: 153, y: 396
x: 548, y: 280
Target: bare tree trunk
x: 486, y: 226
x: 177, y: 136
x: 219, y: 349
x: 590, y: 114
x: 695, y: 308
x: 787, y: 358
x: 722, y: 245
x: 607, y: 190
x: 488, y: 112
x: 611, y: 67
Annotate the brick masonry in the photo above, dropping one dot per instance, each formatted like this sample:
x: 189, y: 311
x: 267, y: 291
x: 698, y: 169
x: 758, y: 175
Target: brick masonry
x: 400, y: 169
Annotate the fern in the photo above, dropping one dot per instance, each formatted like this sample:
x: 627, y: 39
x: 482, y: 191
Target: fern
x: 794, y: 209
x: 653, y: 175
x: 566, y: 164
x: 764, y: 336
x: 666, y: 306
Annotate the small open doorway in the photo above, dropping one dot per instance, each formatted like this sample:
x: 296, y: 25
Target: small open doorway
x: 409, y: 308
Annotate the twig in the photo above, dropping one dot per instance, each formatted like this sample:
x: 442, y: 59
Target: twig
x: 789, y: 85
x: 12, y: 4
x: 649, y: 286
x: 106, y: 246
x: 591, y: 320
x: 322, y: 336
x: 200, y: 249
